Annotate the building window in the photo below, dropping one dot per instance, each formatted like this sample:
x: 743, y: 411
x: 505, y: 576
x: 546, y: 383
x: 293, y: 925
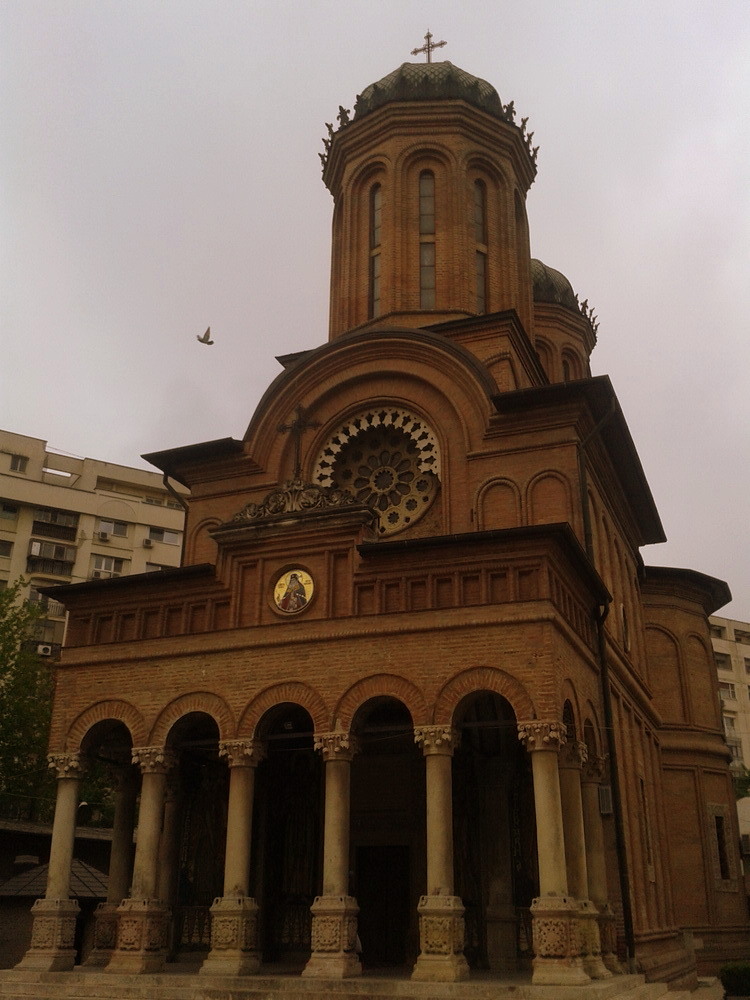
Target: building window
x: 376, y: 209
x: 717, y: 631
x: 747, y: 664
x: 727, y: 691
x: 53, y: 523
x: 427, y: 240
x: 153, y: 567
x: 47, y: 557
x: 162, y: 535
x: 113, y: 527
x: 723, y: 661
x: 721, y: 846
x: 106, y: 567
x: 8, y: 511
x: 18, y: 463
x: 5, y: 547
x: 156, y: 501
x: 729, y: 727
x: 743, y: 637
x: 480, y: 238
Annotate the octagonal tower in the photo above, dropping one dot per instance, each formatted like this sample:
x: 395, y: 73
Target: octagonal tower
x: 429, y: 179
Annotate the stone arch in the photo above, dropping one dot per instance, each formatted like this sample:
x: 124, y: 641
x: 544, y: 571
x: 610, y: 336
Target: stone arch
x: 569, y: 697
x: 278, y: 694
x: 201, y: 546
x: 665, y: 672
x: 120, y: 711
x: 572, y: 359
x: 196, y: 701
x: 591, y: 733
x: 548, y: 498
x: 498, y: 504
x: 482, y: 679
x: 418, y: 156
x: 504, y: 370
x: 381, y: 685
x: 546, y: 356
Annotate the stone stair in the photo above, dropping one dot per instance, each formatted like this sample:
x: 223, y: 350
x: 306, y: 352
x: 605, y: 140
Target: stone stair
x: 84, y: 984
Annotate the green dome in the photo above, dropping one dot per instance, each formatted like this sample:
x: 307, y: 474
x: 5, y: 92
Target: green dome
x: 552, y: 286
x: 437, y: 81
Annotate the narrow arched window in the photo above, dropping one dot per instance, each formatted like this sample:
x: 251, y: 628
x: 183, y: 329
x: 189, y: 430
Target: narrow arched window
x: 376, y: 205
x: 566, y: 370
x: 480, y: 240
x: 427, y: 240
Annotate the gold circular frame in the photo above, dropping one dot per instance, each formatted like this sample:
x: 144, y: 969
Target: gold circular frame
x: 293, y: 591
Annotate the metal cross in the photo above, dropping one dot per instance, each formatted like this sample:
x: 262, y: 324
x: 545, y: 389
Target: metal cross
x: 428, y: 46
x: 297, y: 426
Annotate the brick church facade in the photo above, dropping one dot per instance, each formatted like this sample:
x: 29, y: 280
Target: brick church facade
x: 413, y: 699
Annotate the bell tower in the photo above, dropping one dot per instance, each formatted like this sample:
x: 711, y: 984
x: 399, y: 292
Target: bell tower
x: 429, y: 179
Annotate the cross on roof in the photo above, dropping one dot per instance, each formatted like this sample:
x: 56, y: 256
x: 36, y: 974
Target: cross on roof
x: 297, y: 426
x: 428, y: 46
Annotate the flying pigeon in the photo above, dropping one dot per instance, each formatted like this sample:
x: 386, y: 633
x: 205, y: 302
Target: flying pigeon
x: 206, y: 338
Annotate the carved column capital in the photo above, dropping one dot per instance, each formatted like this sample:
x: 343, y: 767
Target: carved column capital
x: 574, y: 754
x: 441, y: 740
x: 542, y: 735
x: 593, y: 768
x: 154, y: 760
x: 242, y: 753
x: 336, y: 746
x: 66, y: 765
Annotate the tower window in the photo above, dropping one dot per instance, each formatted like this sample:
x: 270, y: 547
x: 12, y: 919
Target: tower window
x: 376, y: 204
x: 480, y: 238
x: 427, y: 240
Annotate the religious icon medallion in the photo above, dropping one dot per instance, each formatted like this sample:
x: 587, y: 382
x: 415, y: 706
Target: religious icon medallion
x: 293, y: 591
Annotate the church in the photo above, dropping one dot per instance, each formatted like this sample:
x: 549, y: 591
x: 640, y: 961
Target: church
x: 412, y: 701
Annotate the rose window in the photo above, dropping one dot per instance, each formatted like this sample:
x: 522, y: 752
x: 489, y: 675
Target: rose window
x: 387, y: 460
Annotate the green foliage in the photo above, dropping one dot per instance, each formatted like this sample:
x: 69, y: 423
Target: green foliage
x: 735, y: 978
x: 741, y: 784
x: 26, y: 686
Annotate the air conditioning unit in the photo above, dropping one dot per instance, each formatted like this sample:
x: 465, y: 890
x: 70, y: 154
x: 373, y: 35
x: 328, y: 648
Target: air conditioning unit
x: 102, y: 536
x: 148, y: 543
x: 43, y: 649
x: 605, y: 800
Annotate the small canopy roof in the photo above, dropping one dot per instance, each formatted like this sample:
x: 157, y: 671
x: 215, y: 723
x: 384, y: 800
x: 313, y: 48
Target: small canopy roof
x: 86, y: 882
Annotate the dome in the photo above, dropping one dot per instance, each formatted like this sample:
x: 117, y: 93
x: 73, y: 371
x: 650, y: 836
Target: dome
x: 552, y: 286
x: 431, y: 82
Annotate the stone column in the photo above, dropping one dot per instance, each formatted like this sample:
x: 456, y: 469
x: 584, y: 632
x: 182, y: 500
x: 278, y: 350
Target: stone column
x: 120, y: 865
x: 555, y: 915
x: 53, y: 930
x: 573, y: 756
x: 334, y: 924
x: 234, y: 926
x: 144, y: 918
x: 591, y: 777
x: 441, y: 914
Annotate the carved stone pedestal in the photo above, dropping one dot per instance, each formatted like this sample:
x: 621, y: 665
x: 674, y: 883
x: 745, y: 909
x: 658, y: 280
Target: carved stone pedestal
x: 608, y: 938
x: 105, y: 934
x: 441, y: 940
x: 141, y: 936
x: 590, y: 941
x: 556, y: 927
x: 334, y: 938
x: 234, y: 937
x: 52, y: 936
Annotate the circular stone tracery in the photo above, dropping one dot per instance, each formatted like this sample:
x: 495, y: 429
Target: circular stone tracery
x: 389, y: 460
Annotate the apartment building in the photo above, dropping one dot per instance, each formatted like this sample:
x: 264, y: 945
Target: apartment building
x: 731, y: 643
x: 65, y: 520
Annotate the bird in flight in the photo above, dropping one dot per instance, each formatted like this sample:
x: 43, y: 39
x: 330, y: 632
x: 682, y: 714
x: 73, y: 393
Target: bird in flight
x: 206, y: 338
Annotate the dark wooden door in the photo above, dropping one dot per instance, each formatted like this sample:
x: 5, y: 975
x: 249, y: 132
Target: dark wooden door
x: 383, y: 897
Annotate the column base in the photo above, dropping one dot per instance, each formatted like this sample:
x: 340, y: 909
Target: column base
x: 52, y: 936
x: 141, y: 936
x: 441, y: 940
x: 334, y: 939
x: 556, y: 931
x: 591, y: 943
x: 234, y: 938
x: 608, y: 938
x: 105, y: 935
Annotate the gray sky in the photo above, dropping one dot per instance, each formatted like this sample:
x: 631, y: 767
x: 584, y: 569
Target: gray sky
x: 160, y: 173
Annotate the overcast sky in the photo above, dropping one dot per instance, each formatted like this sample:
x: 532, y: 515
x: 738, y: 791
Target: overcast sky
x: 160, y: 173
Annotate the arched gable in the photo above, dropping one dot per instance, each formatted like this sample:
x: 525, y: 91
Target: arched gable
x: 116, y: 710
x: 279, y: 694
x: 196, y: 701
x: 548, y: 499
x: 499, y: 505
x: 482, y: 679
x: 381, y: 685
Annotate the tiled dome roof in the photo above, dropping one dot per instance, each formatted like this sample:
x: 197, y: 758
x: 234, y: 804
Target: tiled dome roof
x: 552, y: 286
x: 429, y: 82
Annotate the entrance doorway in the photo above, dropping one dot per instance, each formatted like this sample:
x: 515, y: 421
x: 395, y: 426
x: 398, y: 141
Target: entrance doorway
x: 383, y: 897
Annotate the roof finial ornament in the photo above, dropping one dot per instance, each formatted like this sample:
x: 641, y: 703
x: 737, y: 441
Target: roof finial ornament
x: 428, y: 46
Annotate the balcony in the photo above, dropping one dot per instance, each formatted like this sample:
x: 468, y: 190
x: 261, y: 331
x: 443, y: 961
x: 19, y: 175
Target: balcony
x: 46, y: 529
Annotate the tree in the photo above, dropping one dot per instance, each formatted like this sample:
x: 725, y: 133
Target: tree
x: 26, y: 687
